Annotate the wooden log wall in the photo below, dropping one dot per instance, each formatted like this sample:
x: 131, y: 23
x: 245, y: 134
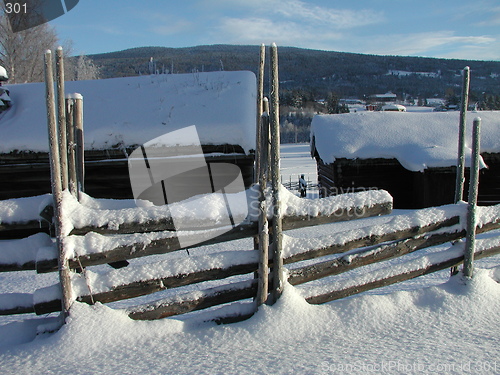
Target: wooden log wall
x: 410, y: 190
x: 106, y: 172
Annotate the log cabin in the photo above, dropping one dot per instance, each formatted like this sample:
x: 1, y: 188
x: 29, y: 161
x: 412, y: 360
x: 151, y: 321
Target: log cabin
x: 410, y: 154
x: 121, y: 114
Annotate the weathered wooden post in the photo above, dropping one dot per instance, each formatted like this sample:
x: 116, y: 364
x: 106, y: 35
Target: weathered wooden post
x: 470, y: 240
x: 79, y: 142
x: 260, y: 110
x: 263, y: 272
x: 56, y: 183
x: 61, y: 117
x: 70, y: 134
x: 459, y: 185
x: 277, y: 236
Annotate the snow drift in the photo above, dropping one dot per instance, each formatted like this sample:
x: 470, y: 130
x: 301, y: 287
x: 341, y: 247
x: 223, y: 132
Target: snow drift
x: 448, y: 328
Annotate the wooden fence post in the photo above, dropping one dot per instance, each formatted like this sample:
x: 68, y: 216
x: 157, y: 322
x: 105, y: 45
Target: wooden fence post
x: 263, y: 231
x: 55, y: 172
x: 70, y: 133
x: 459, y: 184
x: 260, y: 110
x: 470, y: 240
x: 79, y: 142
x: 277, y: 236
x: 61, y: 117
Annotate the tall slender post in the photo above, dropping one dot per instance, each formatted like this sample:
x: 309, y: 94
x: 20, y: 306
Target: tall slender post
x: 265, y: 163
x: 260, y: 98
x: 263, y: 286
x: 470, y: 240
x: 56, y: 183
x: 70, y: 133
x: 79, y: 142
x: 275, y: 179
x: 61, y: 117
x: 459, y: 185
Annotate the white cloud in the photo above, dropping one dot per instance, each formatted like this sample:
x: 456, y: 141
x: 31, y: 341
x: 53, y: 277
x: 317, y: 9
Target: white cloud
x: 288, y: 23
x: 443, y: 43
x: 493, y: 18
x: 172, y: 28
x: 338, y: 18
x: 263, y: 30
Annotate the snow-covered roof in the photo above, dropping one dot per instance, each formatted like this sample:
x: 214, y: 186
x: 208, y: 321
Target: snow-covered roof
x: 417, y: 140
x: 387, y: 95
x: 3, y: 74
x: 134, y: 110
x: 394, y: 107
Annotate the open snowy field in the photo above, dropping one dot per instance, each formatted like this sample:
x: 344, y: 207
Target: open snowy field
x: 296, y: 160
x: 429, y: 325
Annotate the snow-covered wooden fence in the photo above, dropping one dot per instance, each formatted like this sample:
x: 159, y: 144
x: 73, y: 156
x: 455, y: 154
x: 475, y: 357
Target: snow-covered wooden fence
x: 372, y: 242
x: 91, y: 233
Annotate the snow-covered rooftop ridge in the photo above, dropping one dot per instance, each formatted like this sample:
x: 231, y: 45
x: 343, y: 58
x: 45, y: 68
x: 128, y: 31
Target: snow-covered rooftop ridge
x: 417, y: 140
x: 133, y: 110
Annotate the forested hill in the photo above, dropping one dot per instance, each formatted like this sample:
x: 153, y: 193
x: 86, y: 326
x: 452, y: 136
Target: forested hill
x: 316, y: 72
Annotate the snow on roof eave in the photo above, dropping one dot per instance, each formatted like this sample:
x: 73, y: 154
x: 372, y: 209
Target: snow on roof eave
x: 417, y: 140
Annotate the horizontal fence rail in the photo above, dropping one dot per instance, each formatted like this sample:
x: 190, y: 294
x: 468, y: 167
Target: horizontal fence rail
x: 397, y: 237
x: 388, y: 276
x: 139, y: 239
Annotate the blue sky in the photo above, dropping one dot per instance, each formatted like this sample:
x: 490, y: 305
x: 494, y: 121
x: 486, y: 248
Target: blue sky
x: 435, y: 28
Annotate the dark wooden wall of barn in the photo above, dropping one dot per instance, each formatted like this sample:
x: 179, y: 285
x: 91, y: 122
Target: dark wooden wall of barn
x: 433, y: 187
x: 106, y: 175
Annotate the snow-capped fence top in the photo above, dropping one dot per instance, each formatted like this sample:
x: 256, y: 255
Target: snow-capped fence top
x: 417, y: 140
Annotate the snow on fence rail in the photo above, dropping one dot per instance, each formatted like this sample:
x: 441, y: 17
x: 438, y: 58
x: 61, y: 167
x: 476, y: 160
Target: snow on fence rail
x: 373, y: 242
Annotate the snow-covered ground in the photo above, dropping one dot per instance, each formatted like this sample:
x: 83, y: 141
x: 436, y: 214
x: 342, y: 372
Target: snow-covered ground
x: 429, y: 325
x: 296, y: 160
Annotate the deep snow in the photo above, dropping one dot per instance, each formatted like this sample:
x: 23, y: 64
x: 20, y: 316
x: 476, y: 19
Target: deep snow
x: 450, y: 328
x: 428, y: 325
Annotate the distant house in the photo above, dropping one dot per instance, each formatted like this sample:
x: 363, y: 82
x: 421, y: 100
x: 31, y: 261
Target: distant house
x: 383, y: 98
x: 121, y: 114
x: 412, y: 155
